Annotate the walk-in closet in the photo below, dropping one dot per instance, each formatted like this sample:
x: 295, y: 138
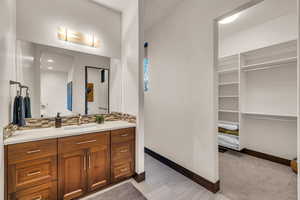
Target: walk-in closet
x: 258, y: 97
x: 257, y: 100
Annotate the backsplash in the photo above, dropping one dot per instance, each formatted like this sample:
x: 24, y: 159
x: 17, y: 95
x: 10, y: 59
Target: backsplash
x: 66, y: 121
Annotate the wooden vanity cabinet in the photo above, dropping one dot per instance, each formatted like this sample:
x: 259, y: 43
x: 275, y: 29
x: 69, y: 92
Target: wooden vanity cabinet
x: 69, y: 168
x: 123, y: 154
x: 32, y: 170
x: 84, y: 164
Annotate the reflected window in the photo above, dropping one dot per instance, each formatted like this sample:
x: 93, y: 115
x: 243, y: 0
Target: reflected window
x: 146, y: 69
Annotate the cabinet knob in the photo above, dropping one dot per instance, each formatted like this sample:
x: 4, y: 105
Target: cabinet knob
x: 38, y: 198
x: 33, y: 151
x: 124, y: 170
x: 84, y: 162
x: 34, y: 173
x: 124, y: 135
x: 89, y: 161
x: 86, y: 142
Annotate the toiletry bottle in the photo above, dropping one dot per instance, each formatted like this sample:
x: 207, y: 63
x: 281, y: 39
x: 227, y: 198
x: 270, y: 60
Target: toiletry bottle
x: 58, y: 121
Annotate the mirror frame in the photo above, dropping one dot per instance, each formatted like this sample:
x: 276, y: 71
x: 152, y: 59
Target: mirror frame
x: 86, y: 84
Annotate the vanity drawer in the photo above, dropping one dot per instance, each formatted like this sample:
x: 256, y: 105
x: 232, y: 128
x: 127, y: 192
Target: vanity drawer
x: 122, y: 151
x: 83, y: 142
x: 122, y: 135
x: 31, y: 150
x: 122, y: 170
x: 31, y: 173
x: 46, y: 191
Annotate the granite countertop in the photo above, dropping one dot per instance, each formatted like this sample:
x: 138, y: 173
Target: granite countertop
x: 51, y: 133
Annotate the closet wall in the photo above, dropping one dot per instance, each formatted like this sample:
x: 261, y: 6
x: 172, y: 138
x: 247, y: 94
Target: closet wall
x: 281, y: 29
x: 258, y: 86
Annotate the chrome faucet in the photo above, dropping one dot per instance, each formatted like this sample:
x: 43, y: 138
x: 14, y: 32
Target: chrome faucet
x: 79, y: 121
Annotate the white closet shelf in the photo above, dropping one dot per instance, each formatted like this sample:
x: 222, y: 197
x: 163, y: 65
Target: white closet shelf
x: 229, y: 96
x: 270, y: 64
x: 229, y: 122
x: 270, y: 114
x: 228, y: 83
x: 229, y: 111
x: 228, y: 70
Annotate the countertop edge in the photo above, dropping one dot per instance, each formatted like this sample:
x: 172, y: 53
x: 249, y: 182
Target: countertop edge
x: 66, y: 134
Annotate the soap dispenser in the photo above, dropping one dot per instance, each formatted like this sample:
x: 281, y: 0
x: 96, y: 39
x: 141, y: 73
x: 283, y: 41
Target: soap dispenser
x: 58, y: 121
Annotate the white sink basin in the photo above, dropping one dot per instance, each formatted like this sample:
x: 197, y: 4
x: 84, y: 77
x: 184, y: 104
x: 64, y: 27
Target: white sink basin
x: 80, y: 127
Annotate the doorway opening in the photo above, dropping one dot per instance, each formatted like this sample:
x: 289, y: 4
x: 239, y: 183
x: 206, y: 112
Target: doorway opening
x: 256, y: 79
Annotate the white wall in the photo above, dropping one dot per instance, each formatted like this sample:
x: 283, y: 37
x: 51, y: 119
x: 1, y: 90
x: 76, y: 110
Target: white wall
x: 37, y: 21
x: 132, y: 72
x: 7, y: 70
x: 276, y: 31
x: 180, y: 110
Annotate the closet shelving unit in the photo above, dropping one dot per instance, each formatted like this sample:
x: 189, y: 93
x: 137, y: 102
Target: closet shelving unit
x: 258, y: 92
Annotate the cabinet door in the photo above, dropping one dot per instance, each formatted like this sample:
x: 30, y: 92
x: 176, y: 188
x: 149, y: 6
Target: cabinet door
x: 99, y: 165
x: 72, y: 174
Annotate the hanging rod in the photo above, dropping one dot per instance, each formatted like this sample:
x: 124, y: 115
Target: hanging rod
x: 274, y: 118
x: 275, y: 65
x: 15, y: 83
x: 20, y: 86
x: 27, y: 89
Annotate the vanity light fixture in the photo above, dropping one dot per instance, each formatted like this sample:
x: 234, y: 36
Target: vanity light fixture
x: 50, y: 68
x: 68, y: 35
x: 50, y: 60
x: 229, y: 19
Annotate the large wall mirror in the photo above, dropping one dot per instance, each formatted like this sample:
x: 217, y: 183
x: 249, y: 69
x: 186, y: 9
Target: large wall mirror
x: 63, y: 81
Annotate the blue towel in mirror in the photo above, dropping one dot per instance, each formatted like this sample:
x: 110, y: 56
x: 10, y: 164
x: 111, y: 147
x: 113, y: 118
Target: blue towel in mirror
x: 18, y: 111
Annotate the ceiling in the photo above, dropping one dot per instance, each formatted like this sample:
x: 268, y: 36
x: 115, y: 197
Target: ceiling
x: 61, y: 62
x: 154, y: 9
x: 157, y: 9
x: 259, y: 14
x: 117, y: 5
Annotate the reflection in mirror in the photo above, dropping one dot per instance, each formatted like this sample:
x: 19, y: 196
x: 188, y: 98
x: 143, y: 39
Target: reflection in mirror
x: 56, y: 71
x: 57, y: 80
x: 97, y: 96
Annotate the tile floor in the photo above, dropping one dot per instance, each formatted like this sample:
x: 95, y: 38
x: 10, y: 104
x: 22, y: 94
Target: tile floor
x: 243, y: 177
x: 163, y: 183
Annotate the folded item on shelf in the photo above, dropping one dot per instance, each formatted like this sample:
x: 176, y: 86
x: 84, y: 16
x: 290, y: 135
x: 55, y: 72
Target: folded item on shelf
x: 231, y: 132
x: 231, y: 127
x: 229, y: 141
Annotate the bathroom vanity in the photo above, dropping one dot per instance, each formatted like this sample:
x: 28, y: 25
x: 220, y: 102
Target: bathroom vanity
x: 69, y: 162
